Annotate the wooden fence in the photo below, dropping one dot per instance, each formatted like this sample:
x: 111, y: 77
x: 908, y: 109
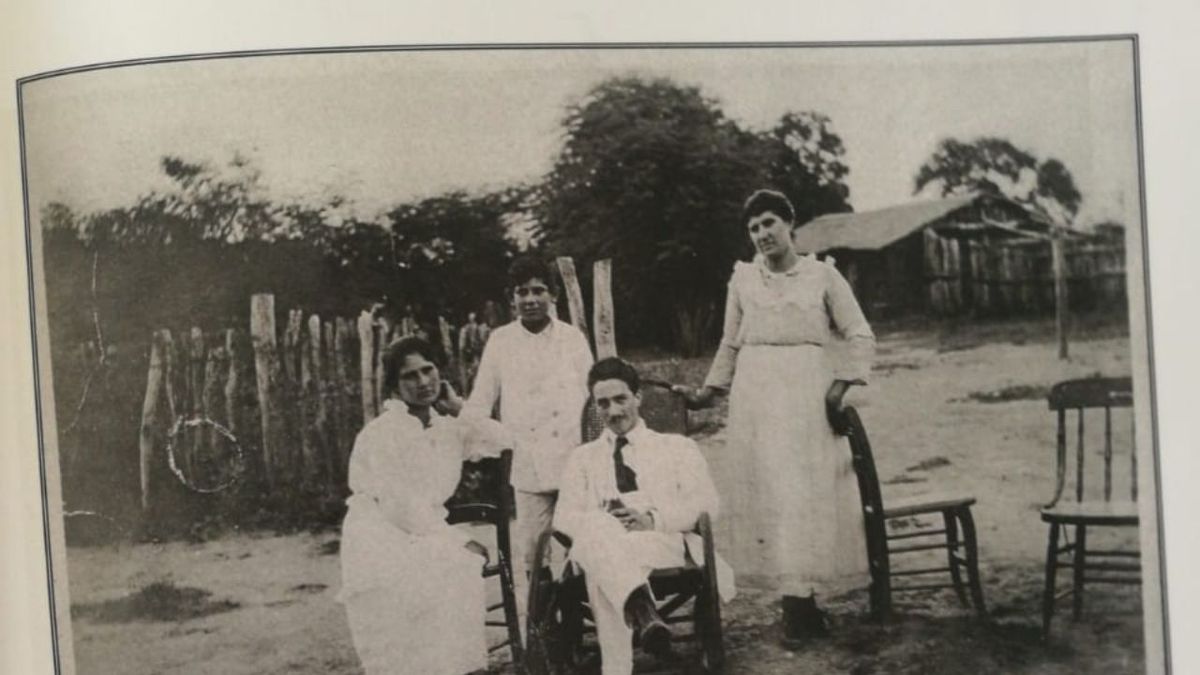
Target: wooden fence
x: 281, y: 405
x: 1017, y: 276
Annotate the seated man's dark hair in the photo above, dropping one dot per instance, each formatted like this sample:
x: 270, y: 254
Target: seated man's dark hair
x: 613, y: 368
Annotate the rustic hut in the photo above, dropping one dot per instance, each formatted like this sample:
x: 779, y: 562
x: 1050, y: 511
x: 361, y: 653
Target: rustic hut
x: 914, y: 257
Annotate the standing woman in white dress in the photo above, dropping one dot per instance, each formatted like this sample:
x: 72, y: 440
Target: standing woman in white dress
x: 795, y: 519
x: 412, y: 584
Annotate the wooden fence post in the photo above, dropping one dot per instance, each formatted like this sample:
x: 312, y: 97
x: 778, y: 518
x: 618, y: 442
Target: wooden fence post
x: 232, y: 381
x: 1060, y: 293
x: 213, y: 370
x: 453, y: 363
x: 570, y: 282
x: 307, y: 399
x: 195, y: 381
x: 146, y: 436
x: 346, y: 426
x: 320, y: 391
x: 266, y: 359
x: 366, y: 351
x: 384, y: 332
x: 603, y: 318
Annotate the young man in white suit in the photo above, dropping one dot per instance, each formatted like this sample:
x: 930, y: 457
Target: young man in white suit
x: 535, y: 369
x: 629, y: 500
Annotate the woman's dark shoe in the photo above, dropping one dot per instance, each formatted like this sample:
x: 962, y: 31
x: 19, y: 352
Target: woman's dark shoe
x: 803, y: 621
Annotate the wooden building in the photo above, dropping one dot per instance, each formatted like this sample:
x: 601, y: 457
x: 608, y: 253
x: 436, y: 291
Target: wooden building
x: 927, y: 256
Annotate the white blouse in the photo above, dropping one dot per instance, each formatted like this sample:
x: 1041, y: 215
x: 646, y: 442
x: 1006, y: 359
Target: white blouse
x: 807, y: 304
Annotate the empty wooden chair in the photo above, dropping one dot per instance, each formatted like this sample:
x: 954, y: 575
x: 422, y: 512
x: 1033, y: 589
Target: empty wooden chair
x: 1089, y: 508
x: 956, y: 536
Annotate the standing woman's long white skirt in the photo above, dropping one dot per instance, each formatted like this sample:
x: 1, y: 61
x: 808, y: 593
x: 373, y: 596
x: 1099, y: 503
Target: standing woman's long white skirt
x: 796, y: 520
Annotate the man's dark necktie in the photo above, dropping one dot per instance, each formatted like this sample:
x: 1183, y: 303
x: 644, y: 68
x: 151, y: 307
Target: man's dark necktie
x: 626, y: 477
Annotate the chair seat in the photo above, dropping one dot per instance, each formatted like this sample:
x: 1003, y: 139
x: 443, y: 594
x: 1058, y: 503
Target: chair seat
x: 1092, y: 513
x: 912, y: 506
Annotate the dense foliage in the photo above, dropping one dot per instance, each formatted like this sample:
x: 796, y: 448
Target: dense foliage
x: 653, y: 175
x: 995, y: 166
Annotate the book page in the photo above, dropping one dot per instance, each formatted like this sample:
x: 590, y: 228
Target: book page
x: 447, y: 106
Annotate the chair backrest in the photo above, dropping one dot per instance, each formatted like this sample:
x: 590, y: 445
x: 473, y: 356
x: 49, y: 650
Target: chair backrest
x: 872, y: 506
x: 1095, y: 393
x: 662, y: 409
x: 484, y: 493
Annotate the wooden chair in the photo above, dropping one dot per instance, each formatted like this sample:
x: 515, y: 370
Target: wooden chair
x: 485, y: 496
x: 956, y: 536
x: 1086, y: 510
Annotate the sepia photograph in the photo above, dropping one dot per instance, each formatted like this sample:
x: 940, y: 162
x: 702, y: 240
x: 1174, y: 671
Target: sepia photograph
x: 753, y: 358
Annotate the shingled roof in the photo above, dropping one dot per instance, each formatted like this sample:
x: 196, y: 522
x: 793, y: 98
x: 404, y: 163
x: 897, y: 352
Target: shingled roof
x: 873, y: 230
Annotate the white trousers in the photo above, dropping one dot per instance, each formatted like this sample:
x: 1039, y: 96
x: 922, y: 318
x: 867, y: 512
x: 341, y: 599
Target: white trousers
x: 535, y: 512
x: 616, y: 563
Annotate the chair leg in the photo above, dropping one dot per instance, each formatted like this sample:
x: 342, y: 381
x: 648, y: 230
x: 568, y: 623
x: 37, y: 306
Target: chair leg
x: 951, y: 521
x: 969, y: 538
x: 1051, y: 571
x: 508, y: 597
x: 1080, y: 562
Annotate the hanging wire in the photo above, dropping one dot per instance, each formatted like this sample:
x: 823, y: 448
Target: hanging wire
x: 102, y: 361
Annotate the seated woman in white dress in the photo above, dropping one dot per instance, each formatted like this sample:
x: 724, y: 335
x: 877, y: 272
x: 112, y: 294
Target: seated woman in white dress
x: 412, y: 584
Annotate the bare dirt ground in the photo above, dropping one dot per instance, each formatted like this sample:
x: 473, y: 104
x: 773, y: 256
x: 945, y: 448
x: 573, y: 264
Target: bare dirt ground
x: 956, y: 412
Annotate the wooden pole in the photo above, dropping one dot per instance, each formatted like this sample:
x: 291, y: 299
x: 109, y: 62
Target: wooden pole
x: 213, y: 370
x: 196, y: 394
x: 366, y: 351
x: 266, y: 359
x: 1060, y: 294
x: 146, y: 436
x: 306, y: 404
x: 603, y: 317
x: 232, y: 382
x: 320, y: 387
x: 453, y: 368
x: 570, y: 282
x: 384, y: 332
x: 345, y: 425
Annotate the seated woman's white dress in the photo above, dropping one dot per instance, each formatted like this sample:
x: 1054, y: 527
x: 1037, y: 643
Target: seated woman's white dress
x: 413, y: 594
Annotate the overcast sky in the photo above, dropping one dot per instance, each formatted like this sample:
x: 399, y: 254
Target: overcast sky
x: 383, y: 127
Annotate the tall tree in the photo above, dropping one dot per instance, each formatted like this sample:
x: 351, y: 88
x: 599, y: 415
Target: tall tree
x: 995, y: 166
x: 653, y: 174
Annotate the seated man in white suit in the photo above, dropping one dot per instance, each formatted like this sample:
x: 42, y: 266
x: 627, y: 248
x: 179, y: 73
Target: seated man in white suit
x: 630, y: 500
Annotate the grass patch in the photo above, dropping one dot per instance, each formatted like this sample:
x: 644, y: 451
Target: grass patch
x: 904, y: 480
x: 159, y: 601
x: 1016, y: 392
x: 927, y: 464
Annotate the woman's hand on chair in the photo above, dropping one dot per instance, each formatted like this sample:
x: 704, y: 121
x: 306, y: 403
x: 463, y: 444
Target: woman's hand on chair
x: 696, y: 397
x: 833, y: 405
x: 478, y: 549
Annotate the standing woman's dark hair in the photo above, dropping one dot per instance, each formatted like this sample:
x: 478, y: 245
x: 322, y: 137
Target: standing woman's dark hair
x: 768, y: 200
x: 393, y: 359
